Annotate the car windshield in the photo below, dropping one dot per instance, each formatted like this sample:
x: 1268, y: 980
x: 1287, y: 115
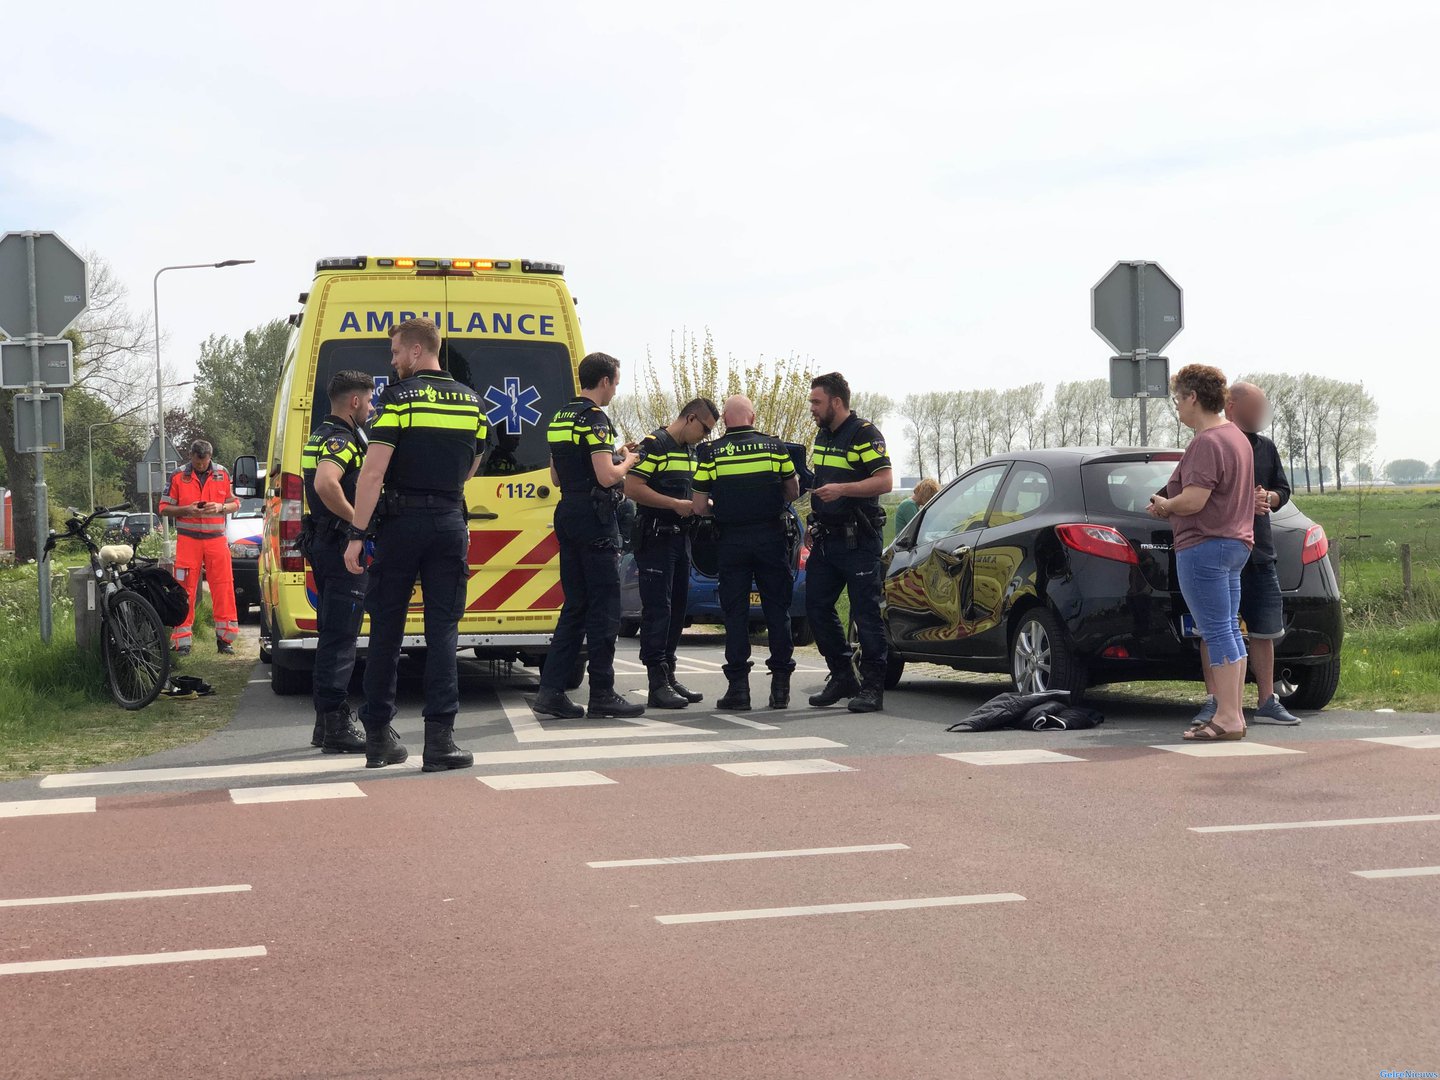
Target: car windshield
x: 1124, y: 486
x: 250, y: 508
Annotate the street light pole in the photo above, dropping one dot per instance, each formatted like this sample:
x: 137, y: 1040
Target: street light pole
x: 159, y: 379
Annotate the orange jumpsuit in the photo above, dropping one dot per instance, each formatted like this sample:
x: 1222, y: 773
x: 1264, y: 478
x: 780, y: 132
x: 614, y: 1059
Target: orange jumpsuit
x: 200, y: 543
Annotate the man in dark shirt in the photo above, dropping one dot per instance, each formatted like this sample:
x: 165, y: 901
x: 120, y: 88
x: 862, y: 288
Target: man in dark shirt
x: 427, y: 441
x: 1260, y: 603
x: 331, y: 463
x: 852, y: 471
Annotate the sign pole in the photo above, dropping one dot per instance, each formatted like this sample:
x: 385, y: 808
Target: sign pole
x: 42, y: 494
x: 1141, y: 351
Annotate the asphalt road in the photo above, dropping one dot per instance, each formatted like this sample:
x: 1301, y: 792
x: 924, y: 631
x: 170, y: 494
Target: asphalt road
x: 1082, y: 904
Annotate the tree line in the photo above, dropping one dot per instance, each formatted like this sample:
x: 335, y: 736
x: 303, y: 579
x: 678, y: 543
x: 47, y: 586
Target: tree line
x: 110, y: 409
x: 1320, y: 425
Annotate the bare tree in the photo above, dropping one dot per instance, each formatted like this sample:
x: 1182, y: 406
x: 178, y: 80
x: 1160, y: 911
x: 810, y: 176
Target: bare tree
x: 1353, y: 435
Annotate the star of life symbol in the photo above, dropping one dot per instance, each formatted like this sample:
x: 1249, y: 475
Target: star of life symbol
x: 512, y: 408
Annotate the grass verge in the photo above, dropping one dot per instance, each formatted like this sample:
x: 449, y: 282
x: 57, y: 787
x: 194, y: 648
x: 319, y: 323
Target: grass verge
x: 56, y: 714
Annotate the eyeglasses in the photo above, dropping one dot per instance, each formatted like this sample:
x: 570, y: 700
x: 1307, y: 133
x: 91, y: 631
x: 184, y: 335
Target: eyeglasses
x: 706, y: 428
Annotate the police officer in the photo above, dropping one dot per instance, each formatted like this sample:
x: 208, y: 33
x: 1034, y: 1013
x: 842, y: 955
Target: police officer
x: 745, y: 479
x: 427, y: 440
x: 659, y: 484
x: 852, y: 471
x: 589, y: 472
x: 331, y: 464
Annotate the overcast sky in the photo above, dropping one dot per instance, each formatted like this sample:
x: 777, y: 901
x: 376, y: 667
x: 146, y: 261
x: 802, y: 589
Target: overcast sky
x: 919, y: 195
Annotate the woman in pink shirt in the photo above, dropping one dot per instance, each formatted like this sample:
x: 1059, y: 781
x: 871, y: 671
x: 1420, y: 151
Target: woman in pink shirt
x: 1210, y: 501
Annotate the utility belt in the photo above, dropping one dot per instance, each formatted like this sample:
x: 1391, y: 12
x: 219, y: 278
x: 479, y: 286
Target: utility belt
x: 394, y: 503
x: 651, y: 527
x: 314, y: 528
x: 859, y: 524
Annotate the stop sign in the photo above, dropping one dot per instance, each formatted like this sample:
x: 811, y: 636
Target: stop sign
x: 1136, y: 307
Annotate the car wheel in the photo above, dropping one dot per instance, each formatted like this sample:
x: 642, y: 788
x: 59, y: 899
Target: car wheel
x: 1041, y: 657
x: 629, y: 627
x: 800, y: 632
x: 289, y: 682
x: 894, y: 664
x: 1315, y: 685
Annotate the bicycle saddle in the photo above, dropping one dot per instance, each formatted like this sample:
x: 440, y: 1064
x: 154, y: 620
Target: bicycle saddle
x: 116, y: 554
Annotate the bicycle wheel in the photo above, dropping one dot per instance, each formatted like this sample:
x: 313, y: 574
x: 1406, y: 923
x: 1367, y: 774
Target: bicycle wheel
x: 137, y: 654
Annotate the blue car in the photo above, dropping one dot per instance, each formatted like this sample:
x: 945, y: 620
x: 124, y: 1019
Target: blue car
x: 704, y: 603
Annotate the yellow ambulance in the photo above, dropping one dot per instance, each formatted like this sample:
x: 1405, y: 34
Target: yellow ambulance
x: 510, y: 331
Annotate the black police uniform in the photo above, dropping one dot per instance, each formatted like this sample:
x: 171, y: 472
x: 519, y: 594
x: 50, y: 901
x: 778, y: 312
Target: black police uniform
x: 437, y: 427
x: 845, y: 554
x: 744, y: 473
x: 662, y: 549
x: 589, y: 536
x: 340, y: 595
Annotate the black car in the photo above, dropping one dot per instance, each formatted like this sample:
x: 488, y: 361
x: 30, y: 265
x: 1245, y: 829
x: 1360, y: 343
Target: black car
x: 138, y: 526
x: 1045, y: 565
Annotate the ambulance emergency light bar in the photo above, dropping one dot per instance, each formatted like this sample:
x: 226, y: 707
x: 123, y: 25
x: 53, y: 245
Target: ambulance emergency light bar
x: 438, y: 266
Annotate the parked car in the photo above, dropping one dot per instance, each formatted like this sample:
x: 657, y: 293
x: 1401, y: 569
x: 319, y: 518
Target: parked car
x: 1045, y: 565
x: 110, y: 526
x: 703, y: 604
x: 242, y: 532
x: 136, y: 527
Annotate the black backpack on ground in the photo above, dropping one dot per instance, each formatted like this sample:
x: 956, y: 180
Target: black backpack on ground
x: 157, y: 585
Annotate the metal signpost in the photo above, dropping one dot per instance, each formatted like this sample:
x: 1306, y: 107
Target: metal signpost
x: 1137, y: 309
x: 44, y: 287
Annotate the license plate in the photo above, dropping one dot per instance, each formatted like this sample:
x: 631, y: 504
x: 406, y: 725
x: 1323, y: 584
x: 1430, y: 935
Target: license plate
x: 1187, y: 627
x: 754, y: 599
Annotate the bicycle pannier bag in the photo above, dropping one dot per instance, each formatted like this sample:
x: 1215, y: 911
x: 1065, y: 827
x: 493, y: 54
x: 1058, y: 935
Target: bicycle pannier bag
x: 166, y: 595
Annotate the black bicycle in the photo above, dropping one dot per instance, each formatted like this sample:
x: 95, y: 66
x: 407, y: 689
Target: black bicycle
x: 133, y: 638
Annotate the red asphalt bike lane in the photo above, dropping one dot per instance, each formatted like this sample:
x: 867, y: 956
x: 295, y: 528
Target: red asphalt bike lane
x: 439, y: 928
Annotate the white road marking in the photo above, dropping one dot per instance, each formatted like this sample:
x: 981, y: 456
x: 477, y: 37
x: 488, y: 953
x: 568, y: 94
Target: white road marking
x: 528, y: 729
x: 1012, y: 757
x: 146, y: 894
x: 1406, y: 871
x: 630, y: 665
x: 295, y: 793
x: 793, y: 767
x: 1332, y: 823
x: 1227, y: 748
x: 85, y: 962
x: 742, y: 856
x: 1414, y: 742
x: 643, y: 750
x: 305, y: 767
x: 837, y: 909
x: 745, y: 721
x: 37, y: 807
x: 701, y: 661
x: 521, y: 781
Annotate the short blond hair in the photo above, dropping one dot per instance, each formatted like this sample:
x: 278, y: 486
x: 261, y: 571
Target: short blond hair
x: 421, y: 331
x: 925, y: 490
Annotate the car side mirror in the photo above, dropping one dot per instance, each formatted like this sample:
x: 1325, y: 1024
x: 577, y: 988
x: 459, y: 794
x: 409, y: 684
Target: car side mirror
x: 245, y: 477
x: 905, y: 542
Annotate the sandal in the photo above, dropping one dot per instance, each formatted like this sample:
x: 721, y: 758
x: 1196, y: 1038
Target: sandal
x: 1211, y: 732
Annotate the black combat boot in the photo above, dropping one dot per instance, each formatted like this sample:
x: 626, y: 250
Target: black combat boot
x: 342, y: 734
x: 684, y: 691
x: 383, y: 747
x: 871, y: 697
x: 779, y: 689
x: 557, y: 704
x: 317, y: 737
x: 662, y: 694
x: 440, y: 750
x: 840, y: 684
x: 605, y: 703
x: 737, y: 698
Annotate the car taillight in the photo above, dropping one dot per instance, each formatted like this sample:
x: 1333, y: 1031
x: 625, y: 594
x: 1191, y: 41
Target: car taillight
x: 292, y: 508
x: 1100, y: 540
x: 1317, y: 545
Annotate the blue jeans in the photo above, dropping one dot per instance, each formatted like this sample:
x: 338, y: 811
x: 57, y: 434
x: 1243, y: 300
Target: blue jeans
x: 1210, y: 582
